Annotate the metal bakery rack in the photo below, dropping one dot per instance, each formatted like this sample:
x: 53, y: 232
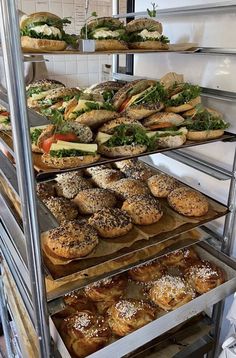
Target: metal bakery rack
x: 27, y: 290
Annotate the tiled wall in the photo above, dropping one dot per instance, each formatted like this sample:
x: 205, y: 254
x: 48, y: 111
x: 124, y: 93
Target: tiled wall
x: 72, y: 70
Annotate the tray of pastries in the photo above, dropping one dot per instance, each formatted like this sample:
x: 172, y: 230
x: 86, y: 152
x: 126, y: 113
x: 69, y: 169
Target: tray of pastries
x: 106, y: 312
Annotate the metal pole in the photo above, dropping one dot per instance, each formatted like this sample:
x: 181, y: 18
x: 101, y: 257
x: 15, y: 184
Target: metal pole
x: 9, y: 27
x: 115, y: 58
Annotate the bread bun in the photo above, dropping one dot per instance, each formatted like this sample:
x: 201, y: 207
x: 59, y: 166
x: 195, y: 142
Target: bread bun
x: 144, y: 23
x: 161, y: 185
x: 111, y: 222
x: 184, y: 107
x: 127, y: 315
x: 94, y: 170
x: 124, y: 188
x: 74, y: 302
x: 45, y: 190
x: 62, y: 208
x: 109, y: 45
x: 163, y: 120
x: 68, y: 162
x: 205, y: 135
x: 30, y: 44
x: 188, y: 202
x: 72, y: 240
x: 107, y: 177
x: 171, y: 141
x: 204, y: 276
x: 141, y: 111
x: 84, y: 333
x: 149, y: 45
x: 143, y: 209
x: 170, y: 292
x: 139, y: 172
x: 122, y: 151
x: 92, y: 200
x: 147, y: 272
x: 96, y: 117
x: 111, y: 125
x: 70, y: 184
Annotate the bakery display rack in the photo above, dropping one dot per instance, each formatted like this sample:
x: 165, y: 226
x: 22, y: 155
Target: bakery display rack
x: 37, y: 294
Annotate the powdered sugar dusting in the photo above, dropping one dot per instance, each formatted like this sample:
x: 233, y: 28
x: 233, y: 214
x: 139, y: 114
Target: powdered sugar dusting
x: 126, y: 309
x: 82, y: 321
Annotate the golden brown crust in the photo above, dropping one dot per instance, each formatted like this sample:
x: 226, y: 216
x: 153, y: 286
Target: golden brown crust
x: 127, y: 187
x: 171, y: 141
x: 62, y: 208
x: 37, y: 16
x: 106, y: 177
x: 74, y: 302
x: 108, y: 289
x: 188, y: 202
x: 161, y: 185
x: 204, y: 276
x: 111, y: 125
x: 91, y: 200
x: 141, y: 111
x: 180, y: 258
x: 111, y: 222
x: 205, y: 135
x: 144, y: 23
x: 108, y: 45
x: 72, y: 240
x: 149, y: 45
x: 126, y: 316
x: 184, y: 107
x: 122, y: 151
x: 35, y: 148
x: 30, y: 44
x: 162, y: 120
x: 147, y: 272
x: 70, y: 184
x: 139, y: 173
x: 96, y: 117
x: 84, y: 333
x: 68, y: 162
x: 94, y: 170
x: 170, y: 292
x: 143, y: 209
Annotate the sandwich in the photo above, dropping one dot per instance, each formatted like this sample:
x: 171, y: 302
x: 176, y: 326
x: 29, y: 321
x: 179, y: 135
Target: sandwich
x: 35, y: 133
x: 182, y: 97
x: 107, y: 89
x: 5, y: 123
x: 108, y: 33
x: 53, y: 96
x: 169, y: 138
x: 139, y: 99
x: 110, y: 126
x: 162, y: 120
x: 40, y: 86
x: 91, y: 110
x: 43, y: 31
x: 146, y: 34
x: 128, y: 139
x: 205, y: 124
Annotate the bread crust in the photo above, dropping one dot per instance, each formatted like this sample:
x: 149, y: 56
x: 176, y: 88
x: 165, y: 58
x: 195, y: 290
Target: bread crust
x: 30, y: 44
x: 171, y: 141
x: 89, y: 201
x: 162, y: 118
x: 127, y: 187
x: 62, y: 208
x: 161, y: 185
x: 143, y: 23
x: 109, y: 45
x: 205, y: 135
x: 184, y: 107
x: 143, y: 110
x: 104, y: 178
x: 147, y: 272
x: 149, y: 45
x: 122, y: 151
x: 37, y: 16
x: 68, y: 162
x: 110, y: 126
x: 96, y: 117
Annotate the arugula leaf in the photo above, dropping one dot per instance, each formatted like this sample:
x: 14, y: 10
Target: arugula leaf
x: 188, y: 93
x: 34, y: 90
x: 108, y: 95
x: 128, y: 134
x: 35, y: 135
x: 156, y: 94
x: 95, y: 106
x: 72, y: 40
x: 61, y: 153
x: 204, y: 121
x: 153, y: 12
x: 31, y: 33
x: 135, y: 37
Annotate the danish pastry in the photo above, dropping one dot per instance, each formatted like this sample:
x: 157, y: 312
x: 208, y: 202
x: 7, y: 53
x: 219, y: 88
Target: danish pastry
x: 143, y: 209
x: 91, y: 200
x: 188, y: 202
x: 84, y: 333
x: 74, y: 302
x: 62, y: 208
x: 170, y: 292
x: 180, y: 258
x: 161, y: 185
x: 111, y: 222
x: 125, y: 316
x: 204, y: 276
x: 147, y: 272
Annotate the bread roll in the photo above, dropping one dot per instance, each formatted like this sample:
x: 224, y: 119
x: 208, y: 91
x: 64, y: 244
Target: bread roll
x: 62, y: 208
x: 68, y: 162
x: 92, y: 200
x: 69, y: 186
x: 124, y: 188
x: 107, y: 177
x: 161, y: 185
x: 45, y: 190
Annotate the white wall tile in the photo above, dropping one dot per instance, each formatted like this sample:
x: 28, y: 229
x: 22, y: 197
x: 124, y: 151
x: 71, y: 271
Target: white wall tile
x: 71, y: 68
x: 93, y: 66
x: 82, y: 67
x: 28, y: 6
x: 42, y: 6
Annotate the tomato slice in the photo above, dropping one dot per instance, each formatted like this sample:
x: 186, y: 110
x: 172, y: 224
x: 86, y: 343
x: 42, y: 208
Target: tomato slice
x: 123, y: 105
x: 4, y: 113
x: 67, y: 137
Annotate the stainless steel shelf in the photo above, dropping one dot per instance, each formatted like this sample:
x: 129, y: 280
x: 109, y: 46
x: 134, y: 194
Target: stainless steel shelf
x: 226, y: 6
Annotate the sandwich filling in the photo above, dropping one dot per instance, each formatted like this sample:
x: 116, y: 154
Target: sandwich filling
x: 147, y: 35
x: 188, y: 93
x: 205, y: 121
x: 104, y: 29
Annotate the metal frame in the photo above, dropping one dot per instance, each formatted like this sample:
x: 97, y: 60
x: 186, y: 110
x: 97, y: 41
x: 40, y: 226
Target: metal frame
x: 27, y: 263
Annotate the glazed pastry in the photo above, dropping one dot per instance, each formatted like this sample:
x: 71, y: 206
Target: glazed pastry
x: 74, y: 302
x: 125, y: 316
x: 124, y: 188
x: 92, y: 200
x: 161, y: 185
x: 204, y: 276
x: 45, y: 190
x: 188, y: 202
x: 170, y: 292
x: 180, y: 258
x: 84, y: 333
x: 69, y: 186
x: 111, y: 222
x: 62, y: 208
x: 106, y: 177
x: 147, y: 272
x: 143, y: 209
x: 72, y: 240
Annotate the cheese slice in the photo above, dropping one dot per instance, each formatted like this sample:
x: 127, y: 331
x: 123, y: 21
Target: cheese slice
x: 182, y: 130
x: 80, y: 106
x: 102, y: 137
x: 41, y: 95
x: 91, y: 148
x: 38, y: 127
x: 3, y: 118
x: 133, y: 98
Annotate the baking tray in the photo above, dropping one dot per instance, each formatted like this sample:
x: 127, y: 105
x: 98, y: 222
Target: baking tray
x: 166, y: 321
